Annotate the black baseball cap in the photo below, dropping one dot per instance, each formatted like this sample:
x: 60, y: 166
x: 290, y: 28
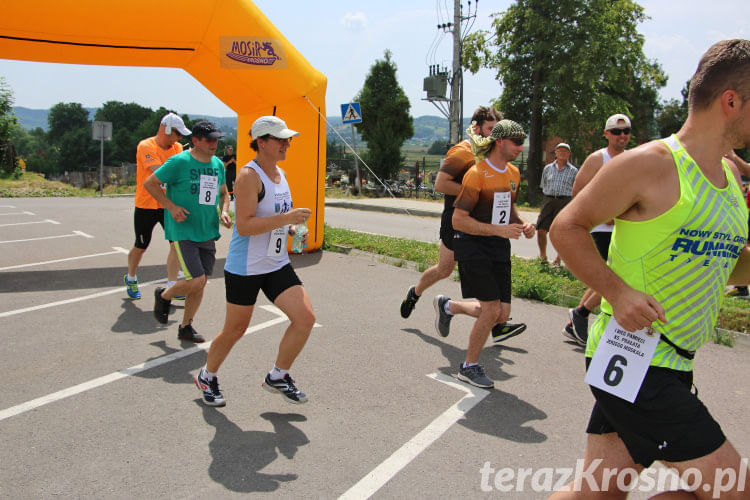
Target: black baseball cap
x: 206, y: 129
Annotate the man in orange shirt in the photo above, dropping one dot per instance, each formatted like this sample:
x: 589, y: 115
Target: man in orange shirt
x: 484, y: 218
x: 150, y: 155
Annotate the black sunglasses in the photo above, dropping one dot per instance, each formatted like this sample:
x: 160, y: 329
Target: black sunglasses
x: 518, y: 141
x: 618, y: 131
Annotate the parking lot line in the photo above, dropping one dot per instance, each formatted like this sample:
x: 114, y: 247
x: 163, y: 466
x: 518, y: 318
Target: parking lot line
x: 18, y: 213
x: 116, y: 250
x: 372, y: 482
x: 47, y: 221
x: 74, y: 233
x: 127, y: 372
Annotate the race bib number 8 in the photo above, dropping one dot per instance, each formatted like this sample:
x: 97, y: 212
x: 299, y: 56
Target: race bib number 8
x: 621, y: 360
x: 209, y: 188
x: 277, y: 242
x: 501, y: 209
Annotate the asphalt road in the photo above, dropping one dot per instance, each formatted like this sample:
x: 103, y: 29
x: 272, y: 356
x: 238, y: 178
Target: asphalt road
x: 98, y: 400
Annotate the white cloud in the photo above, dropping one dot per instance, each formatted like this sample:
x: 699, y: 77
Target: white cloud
x: 354, y: 20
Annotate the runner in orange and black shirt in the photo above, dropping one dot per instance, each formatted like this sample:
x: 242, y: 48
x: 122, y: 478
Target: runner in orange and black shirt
x: 484, y: 219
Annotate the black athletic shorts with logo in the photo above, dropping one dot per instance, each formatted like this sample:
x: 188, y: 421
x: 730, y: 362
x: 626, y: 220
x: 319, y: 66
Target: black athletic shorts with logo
x: 666, y: 422
x: 446, y: 229
x: 243, y: 290
x: 144, y: 220
x: 485, y: 280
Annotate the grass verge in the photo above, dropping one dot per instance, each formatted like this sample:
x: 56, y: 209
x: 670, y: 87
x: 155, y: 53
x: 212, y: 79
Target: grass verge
x: 531, y: 279
x: 32, y: 184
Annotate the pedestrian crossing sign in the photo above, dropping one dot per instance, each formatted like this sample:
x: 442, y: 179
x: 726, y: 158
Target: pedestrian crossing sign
x: 351, y: 113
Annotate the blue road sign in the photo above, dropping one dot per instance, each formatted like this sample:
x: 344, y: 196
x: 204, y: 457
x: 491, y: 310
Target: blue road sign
x: 351, y: 113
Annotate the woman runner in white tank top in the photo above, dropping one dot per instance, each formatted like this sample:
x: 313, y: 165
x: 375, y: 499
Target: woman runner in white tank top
x: 258, y: 260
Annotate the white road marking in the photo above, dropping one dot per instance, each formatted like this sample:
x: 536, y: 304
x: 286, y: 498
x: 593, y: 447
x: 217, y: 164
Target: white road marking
x: 119, y: 289
x: 41, y: 238
x: 18, y: 213
x: 372, y: 482
x: 59, y: 260
x: 81, y: 233
x: 121, y: 250
x: 7, y: 206
x: 133, y: 370
x: 47, y: 221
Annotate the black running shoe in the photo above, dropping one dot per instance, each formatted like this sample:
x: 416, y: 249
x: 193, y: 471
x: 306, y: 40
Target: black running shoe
x: 187, y: 332
x: 210, y: 391
x: 407, y: 306
x: 504, y: 331
x: 568, y: 332
x: 475, y: 376
x: 161, y: 306
x: 442, y: 318
x: 580, y: 326
x: 286, y: 388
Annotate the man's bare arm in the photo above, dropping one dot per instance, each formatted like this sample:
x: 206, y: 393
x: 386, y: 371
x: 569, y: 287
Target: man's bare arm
x: 588, y: 170
x: 445, y: 184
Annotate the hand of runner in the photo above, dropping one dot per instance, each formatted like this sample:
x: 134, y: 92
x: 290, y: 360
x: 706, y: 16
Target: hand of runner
x: 225, y: 219
x: 298, y: 215
x: 512, y: 231
x: 179, y: 214
x: 634, y: 310
x: 528, y: 230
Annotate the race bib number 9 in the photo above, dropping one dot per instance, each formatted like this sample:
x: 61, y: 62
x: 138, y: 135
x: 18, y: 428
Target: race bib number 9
x: 277, y: 243
x: 501, y: 209
x: 209, y: 188
x: 621, y: 360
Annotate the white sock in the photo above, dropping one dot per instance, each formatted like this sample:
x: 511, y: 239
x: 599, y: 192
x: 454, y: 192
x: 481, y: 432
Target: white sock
x: 277, y: 374
x: 207, y: 374
x: 447, y: 307
x: 170, y: 283
x: 466, y: 365
x: 132, y: 278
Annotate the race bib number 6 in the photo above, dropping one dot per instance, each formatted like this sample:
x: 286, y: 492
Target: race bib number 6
x: 621, y: 360
x: 209, y: 188
x: 501, y: 209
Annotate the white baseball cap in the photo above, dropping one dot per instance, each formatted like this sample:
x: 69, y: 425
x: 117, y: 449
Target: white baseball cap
x: 563, y: 145
x: 271, y: 125
x: 612, y: 121
x: 173, y: 121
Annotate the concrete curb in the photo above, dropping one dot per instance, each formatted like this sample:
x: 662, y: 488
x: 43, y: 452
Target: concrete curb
x: 382, y: 208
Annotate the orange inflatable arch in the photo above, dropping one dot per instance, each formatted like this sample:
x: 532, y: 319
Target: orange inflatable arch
x: 227, y: 45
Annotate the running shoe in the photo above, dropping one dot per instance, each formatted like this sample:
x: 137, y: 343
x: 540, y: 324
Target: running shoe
x: 131, y: 287
x: 407, y: 306
x: 210, y: 391
x: 580, y: 326
x: 737, y: 291
x: 285, y: 387
x: 568, y: 332
x: 187, y: 332
x: 504, y: 331
x: 442, y: 318
x: 161, y: 306
x: 475, y: 376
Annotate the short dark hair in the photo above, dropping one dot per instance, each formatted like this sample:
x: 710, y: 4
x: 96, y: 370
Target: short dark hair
x: 254, y: 143
x: 486, y: 113
x: 724, y: 66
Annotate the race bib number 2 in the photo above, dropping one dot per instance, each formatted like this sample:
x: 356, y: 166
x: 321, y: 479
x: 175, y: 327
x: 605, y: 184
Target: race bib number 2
x: 621, y: 360
x: 501, y: 209
x: 209, y: 188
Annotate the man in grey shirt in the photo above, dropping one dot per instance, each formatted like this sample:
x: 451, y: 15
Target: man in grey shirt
x: 557, y: 186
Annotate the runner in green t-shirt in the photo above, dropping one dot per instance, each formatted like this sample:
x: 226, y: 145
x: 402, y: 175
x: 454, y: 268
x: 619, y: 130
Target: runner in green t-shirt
x: 196, y: 185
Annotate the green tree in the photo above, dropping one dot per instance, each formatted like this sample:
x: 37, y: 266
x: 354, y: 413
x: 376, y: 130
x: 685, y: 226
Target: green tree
x: 438, y: 148
x: 125, y: 118
x: 567, y: 76
x: 386, y: 120
x: 7, y: 121
x: 70, y: 132
x: 673, y: 113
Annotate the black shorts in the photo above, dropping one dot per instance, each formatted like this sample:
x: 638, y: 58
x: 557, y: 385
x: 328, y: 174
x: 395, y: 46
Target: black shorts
x: 144, y: 220
x: 667, y: 421
x: 243, y: 290
x: 485, y: 280
x: 601, y: 240
x: 551, y: 206
x: 446, y: 229
x: 196, y: 258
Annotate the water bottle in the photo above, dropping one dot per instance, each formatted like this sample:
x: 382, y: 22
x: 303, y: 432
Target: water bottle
x: 300, y: 233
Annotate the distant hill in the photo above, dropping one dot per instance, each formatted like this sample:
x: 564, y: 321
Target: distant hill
x: 427, y: 129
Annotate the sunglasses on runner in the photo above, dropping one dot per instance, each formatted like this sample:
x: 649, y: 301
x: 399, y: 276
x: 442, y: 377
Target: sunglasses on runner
x: 618, y: 131
x: 518, y: 141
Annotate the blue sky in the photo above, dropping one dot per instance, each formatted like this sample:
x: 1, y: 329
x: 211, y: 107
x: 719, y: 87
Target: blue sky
x: 343, y: 39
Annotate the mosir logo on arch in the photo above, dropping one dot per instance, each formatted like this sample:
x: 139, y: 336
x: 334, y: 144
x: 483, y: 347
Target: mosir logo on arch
x: 251, y: 53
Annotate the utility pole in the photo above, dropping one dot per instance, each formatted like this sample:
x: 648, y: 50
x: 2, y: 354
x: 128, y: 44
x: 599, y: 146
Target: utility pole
x: 436, y: 83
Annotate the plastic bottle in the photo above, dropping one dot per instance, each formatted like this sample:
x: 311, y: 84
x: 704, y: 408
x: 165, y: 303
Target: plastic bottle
x: 300, y: 234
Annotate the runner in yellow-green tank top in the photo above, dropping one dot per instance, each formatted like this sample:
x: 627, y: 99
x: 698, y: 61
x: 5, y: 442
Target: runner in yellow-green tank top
x: 682, y: 258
